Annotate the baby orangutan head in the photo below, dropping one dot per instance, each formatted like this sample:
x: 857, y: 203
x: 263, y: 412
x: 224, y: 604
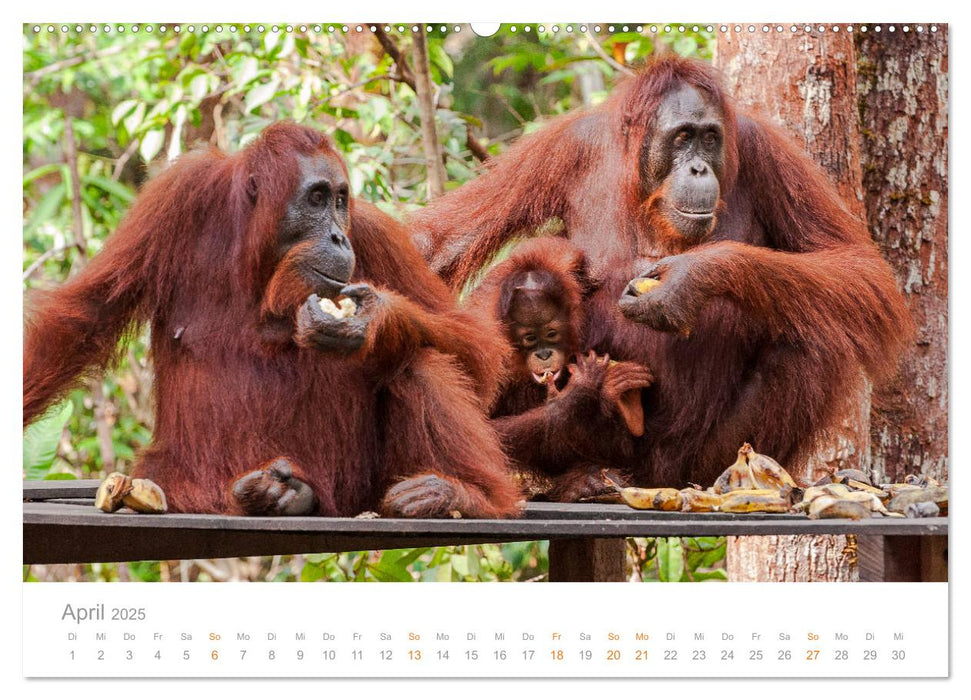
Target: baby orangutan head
x: 537, y: 318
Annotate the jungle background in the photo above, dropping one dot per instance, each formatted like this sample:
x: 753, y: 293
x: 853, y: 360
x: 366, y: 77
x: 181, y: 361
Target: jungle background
x: 415, y: 113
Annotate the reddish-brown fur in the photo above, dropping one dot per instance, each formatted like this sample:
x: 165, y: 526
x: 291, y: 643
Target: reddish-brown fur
x: 573, y: 433
x: 195, y: 258
x: 786, y: 300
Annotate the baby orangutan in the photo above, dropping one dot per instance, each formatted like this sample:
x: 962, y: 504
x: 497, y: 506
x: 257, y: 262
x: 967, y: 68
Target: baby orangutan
x: 561, y: 422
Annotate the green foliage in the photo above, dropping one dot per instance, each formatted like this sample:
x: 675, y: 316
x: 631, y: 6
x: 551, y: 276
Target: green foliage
x: 40, y: 443
x: 673, y: 559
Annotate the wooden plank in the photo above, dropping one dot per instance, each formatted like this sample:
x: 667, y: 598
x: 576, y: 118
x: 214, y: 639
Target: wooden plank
x: 53, y: 545
x: 607, y: 521
x: 902, y: 558
x: 73, y: 532
x: 588, y: 559
x: 57, y: 488
x: 933, y: 558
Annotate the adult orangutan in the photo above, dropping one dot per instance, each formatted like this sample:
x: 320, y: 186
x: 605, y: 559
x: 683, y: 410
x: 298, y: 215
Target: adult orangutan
x: 266, y: 404
x: 563, y: 414
x: 772, y: 296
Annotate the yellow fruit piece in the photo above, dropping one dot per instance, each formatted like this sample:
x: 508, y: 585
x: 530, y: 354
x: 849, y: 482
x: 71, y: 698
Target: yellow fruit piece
x: 826, y: 507
x: 145, y: 497
x: 753, y: 471
x: 651, y: 499
x: 754, y: 501
x: 345, y: 308
x: 645, y: 284
x: 698, y: 501
x: 111, y: 492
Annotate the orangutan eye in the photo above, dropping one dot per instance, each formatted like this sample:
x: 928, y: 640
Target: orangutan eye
x: 529, y: 340
x: 551, y: 335
x: 317, y: 196
x: 710, y: 138
x: 341, y: 200
x: 682, y: 137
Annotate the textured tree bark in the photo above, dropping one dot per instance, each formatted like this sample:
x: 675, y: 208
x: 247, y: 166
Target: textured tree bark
x: 807, y: 83
x: 790, y: 558
x: 903, y: 90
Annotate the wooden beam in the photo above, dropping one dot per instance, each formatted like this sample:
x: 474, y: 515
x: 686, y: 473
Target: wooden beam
x: 902, y: 558
x: 588, y: 559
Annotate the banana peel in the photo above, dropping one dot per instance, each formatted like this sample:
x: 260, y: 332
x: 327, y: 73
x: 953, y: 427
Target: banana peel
x: 120, y: 490
x: 753, y: 471
x: 112, y: 491
x: 646, y: 499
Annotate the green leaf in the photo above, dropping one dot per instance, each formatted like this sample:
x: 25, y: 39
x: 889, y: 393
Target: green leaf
x: 685, y: 46
x: 124, y: 108
x: 134, y: 119
x: 670, y: 559
x: 60, y: 476
x: 714, y: 575
x: 110, y: 186
x: 443, y: 573
x: 311, y: 572
x: 40, y: 172
x: 438, y: 56
x: 261, y: 94
x: 47, y: 208
x: 245, y: 70
x: 199, y: 86
x: 151, y: 144
x: 41, y: 438
x: 390, y: 574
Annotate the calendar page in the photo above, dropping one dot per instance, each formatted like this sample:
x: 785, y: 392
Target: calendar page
x: 535, y: 316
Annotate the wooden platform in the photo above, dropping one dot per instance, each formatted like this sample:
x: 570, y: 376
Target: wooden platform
x: 61, y: 526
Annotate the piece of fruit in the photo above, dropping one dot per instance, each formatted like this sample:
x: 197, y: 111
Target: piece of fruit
x: 111, y: 492
x: 925, y: 509
x: 934, y: 494
x: 694, y: 500
x: 645, y: 284
x: 344, y: 308
x: 754, y: 501
x: 646, y: 499
x: 753, y: 471
x: 826, y: 507
x: 145, y: 496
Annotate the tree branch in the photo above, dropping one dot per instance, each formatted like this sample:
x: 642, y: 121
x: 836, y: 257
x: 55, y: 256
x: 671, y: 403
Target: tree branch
x: 609, y: 60
x: 426, y: 106
x: 406, y: 75
x: 391, y: 48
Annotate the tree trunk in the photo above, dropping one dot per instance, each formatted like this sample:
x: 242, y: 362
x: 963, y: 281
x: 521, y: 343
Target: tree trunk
x: 807, y: 83
x: 426, y: 106
x: 903, y: 89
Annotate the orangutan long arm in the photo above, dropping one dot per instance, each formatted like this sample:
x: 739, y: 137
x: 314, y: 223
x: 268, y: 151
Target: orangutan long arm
x: 842, y: 300
x: 460, y: 232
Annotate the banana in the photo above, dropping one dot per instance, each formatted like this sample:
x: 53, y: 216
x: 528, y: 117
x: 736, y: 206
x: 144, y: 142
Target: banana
x: 832, y: 507
x: 753, y: 471
x: 647, y: 499
x: 867, y: 488
x: 694, y: 500
x: 834, y: 476
x: 921, y: 480
x: 934, y: 494
x: 111, y: 492
x: 871, y: 501
x: 754, y: 501
x: 145, y: 497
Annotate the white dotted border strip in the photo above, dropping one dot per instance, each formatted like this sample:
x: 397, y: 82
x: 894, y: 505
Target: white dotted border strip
x: 444, y: 29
